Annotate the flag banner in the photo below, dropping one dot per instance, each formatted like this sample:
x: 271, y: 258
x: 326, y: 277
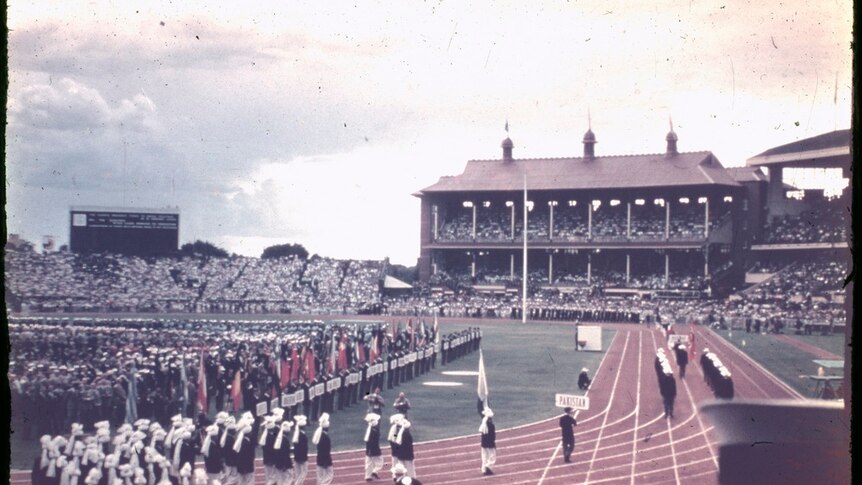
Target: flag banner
x: 412, y: 333
x: 294, y: 364
x: 203, y: 402
x: 482, y: 385
x: 132, y: 398
x: 373, y: 351
x: 285, y: 373
x: 236, y: 392
x: 184, y: 384
x: 360, y: 352
x: 333, y: 354
x: 342, y: 355
x: 310, y: 371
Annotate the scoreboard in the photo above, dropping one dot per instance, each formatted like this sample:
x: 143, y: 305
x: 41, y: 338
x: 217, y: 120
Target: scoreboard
x: 139, y: 232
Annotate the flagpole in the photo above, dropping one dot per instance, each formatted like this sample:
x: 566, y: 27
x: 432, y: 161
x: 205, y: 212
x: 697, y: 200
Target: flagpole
x: 524, y: 279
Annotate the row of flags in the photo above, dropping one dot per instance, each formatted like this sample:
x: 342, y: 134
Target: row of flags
x: 301, y: 362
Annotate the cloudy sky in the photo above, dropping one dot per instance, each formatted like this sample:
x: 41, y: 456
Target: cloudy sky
x: 314, y: 122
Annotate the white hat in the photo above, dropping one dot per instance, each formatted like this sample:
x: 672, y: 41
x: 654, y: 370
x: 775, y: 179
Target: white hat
x: 324, y: 420
x: 372, y: 418
x: 399, y: 469
x: 286, y: 425
x: 584, y: 369
x: 300, y: 420
x: 487, y: 412
x: 221, y: 417
x: 396, y: 418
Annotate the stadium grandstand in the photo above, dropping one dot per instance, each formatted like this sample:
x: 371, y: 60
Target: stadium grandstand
x: 660, y: 227
x: 666, y: 221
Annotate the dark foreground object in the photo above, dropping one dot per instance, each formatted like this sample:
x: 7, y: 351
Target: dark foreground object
x: 782, y: 441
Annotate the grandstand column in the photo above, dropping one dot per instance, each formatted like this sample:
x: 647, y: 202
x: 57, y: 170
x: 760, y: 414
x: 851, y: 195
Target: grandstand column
x: 512, y: 266
x: 426, y: 232
x: 551, y: 205
x: 666, y: 268
x: 628, y: 267
x: 667, y: 219
x: 550, y: 268
x: 706, y: 261
x: 473, y: 264
x: 436, y: 215
x: 706, y: 217
x: 628, y: 223
x: 474, y: 221
x: 589, y: 220
x: 589, y: 268
x: 512, y: 205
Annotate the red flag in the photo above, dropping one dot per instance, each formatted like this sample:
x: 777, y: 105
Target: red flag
x: 360, y: 352
x: 310, y: 371
x: 375, y: 344
x: 294, y: 364
x: 202, y: 387
x: 236, y: 392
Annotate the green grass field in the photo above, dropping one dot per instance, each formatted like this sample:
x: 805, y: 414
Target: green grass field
x: 525, y: 366
x: 785, y: 361
x: 829, y: 343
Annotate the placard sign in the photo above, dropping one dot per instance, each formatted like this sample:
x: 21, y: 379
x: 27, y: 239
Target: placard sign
x: 273, y: 403
x: 260, y: 410
x: 287, y: 400
x: 298, y: 397
x: 319, y: 389
x: 333, y: 384
x: 571, y: 401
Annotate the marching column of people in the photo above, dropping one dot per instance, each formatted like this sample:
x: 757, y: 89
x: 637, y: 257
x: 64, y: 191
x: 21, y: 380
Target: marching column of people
x: 716, y: 375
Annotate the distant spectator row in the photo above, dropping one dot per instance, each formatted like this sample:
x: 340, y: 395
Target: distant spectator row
x: 66, y: 281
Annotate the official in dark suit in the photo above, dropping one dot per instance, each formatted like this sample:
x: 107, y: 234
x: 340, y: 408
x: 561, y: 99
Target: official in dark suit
x: 567, y: 426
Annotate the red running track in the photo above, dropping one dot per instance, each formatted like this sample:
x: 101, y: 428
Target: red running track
x: 622, y: 439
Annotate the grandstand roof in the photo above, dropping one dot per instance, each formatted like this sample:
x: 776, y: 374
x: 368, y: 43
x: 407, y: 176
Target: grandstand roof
x: 621, y: 171
x: 747, y: 174
x: 827, y: 149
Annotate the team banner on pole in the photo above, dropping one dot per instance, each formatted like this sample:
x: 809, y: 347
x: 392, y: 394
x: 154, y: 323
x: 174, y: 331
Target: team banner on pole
x: 571, y: 401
